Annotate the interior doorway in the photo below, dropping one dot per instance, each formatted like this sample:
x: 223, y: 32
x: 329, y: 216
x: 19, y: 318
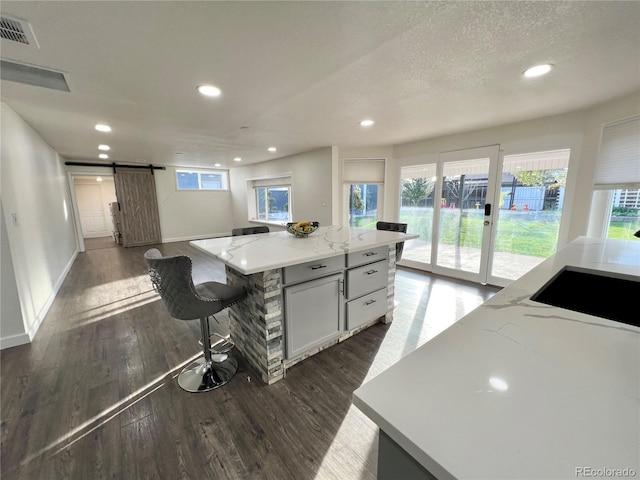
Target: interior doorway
x: 93, y: 194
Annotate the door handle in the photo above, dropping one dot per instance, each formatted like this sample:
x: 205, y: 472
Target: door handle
x: 487, y: 209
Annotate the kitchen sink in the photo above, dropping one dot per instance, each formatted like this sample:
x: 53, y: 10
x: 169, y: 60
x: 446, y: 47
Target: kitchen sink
x: 607, y: 295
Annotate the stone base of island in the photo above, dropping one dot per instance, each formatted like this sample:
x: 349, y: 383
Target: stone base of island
x: 305, y: 294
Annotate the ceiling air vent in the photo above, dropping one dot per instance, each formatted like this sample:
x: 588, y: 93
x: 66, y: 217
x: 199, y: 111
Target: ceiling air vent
x: 17, y: 30
x: 40, y: 77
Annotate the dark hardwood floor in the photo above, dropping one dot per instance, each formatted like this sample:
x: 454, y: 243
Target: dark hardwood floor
x: 95, y: 396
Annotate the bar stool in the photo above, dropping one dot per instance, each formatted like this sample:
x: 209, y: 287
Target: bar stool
x: 394, y: 227
x: 172, y: 279
x: 249, y: 230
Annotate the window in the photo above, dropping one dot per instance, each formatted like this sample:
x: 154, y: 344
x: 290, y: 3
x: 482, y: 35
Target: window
x: 615, y: 213
x: 269, y: 199
x: 363, y: 188
x: 363, y: 205
x: 272, y: 203
x: 201, y: 180
x: 615, y: 208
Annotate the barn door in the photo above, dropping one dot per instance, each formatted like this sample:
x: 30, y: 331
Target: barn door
x: 136, y: 193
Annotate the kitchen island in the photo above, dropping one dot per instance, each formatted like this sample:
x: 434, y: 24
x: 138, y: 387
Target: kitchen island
x: 305, y: 294
x: 519, y: 389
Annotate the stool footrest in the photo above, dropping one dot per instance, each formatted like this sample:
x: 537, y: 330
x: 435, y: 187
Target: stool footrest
x: 219, y: 344
x: 223, y: 346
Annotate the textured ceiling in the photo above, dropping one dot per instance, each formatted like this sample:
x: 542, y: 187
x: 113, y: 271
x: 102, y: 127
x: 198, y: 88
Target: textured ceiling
x: 301, y: 75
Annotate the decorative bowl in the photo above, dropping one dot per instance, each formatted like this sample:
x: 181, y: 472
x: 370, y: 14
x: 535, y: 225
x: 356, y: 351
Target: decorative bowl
x: 302, y: 229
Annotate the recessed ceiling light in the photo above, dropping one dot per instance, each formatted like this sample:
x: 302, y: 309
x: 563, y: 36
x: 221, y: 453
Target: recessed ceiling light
x: 367, y: 123
x: 104, y: 148
x: 102, y: 127
x: 538, y: 70
x: 98, y: 179
x: 209, y: 90
x: 103, y: 155
x: 216, y: 164
x: 272, y: 149
x: 237, y: 159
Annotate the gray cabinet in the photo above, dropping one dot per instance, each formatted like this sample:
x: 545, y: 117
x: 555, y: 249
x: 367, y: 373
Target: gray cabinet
x: 366, y: 308
x: 366, y: 279
x: 366, y: 286
x: 313, y: 313
x: 370, y: 255
x: 323, y: 299
x: 315, y: 269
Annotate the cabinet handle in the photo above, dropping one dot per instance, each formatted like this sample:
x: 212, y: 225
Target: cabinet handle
x: 369, y: 302
x: 371, y: 272
x: 316, y: 267
x: 368, y: 254
x: 342, y: 286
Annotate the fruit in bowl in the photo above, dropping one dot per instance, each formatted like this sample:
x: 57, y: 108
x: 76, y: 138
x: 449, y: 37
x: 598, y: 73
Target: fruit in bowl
x: 302, y: 229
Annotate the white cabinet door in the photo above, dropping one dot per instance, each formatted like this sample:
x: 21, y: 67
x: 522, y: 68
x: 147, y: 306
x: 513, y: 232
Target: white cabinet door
x: 313, y: 313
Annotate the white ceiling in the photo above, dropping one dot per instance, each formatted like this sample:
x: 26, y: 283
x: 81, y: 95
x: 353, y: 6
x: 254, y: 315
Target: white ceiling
x: 301, y: 75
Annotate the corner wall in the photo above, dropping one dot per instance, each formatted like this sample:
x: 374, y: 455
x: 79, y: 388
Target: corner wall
x: 191, y: 215
x: 311, y: 188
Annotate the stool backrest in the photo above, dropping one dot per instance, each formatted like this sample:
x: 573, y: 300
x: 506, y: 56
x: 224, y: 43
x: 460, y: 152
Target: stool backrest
x: 249, y: 230
x: 172, y: 278
x: 394, y: 227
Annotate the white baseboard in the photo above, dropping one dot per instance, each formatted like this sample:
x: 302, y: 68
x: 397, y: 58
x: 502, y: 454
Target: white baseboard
x: 47, y: 305
x: 14, y: 341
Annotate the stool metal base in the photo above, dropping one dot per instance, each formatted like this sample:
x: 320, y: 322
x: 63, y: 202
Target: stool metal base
x: 202, y: 376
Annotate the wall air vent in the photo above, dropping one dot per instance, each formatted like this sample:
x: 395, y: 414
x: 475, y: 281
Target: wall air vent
x: 17, y: 30
x: 40, y: 77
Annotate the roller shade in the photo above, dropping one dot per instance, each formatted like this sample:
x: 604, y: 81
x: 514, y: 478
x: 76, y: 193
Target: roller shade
x: 280, y: 181
x: 618, y: 164
x: 526, y: 162
x: 477, y: 166
x: 363, y: 171
x: 427, y: 171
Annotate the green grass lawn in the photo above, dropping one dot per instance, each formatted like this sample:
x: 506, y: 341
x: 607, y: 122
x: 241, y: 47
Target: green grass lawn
x: 527, y: 233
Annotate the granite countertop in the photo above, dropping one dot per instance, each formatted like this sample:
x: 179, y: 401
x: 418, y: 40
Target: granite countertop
x: 520, y: 389
x: 265, y: 251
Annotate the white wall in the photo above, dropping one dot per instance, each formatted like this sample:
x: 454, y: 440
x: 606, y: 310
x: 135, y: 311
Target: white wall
x: 42, y: 244
x: 12, y: 331
x: 190, y: 215
x: 311, y: 186
x: 580, y: 131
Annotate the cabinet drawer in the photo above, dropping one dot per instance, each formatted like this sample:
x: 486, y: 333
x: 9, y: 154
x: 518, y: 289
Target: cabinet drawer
x: 367, y: 279
x: 367, y: 308
x: 367, y: 256
x: 314, y: 269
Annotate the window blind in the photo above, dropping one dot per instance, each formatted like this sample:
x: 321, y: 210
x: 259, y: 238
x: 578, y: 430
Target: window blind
x: 618, y: 164
x: 280, y: 181
x: 363, y: 171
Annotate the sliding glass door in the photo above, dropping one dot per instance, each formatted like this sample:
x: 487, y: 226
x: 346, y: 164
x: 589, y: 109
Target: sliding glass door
x: 417, y: 201
x: 483, y: 218
x: 464, y: 212
x: 528, y: 214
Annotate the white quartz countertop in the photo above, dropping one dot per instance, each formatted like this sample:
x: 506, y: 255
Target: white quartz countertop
x: 518, y: 389
x: 266, y: 251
